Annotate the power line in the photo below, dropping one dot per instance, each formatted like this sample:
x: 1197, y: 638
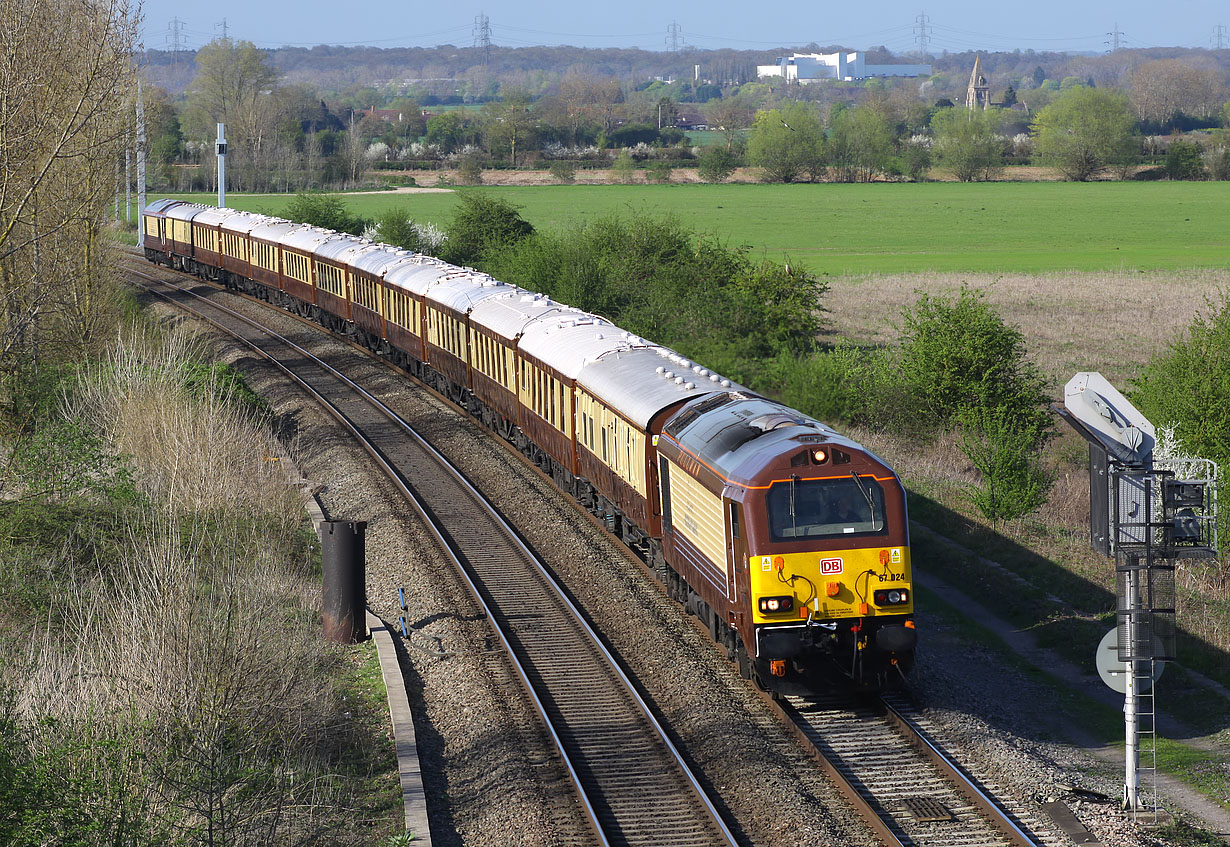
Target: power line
x: 1219, y: 36
x: 674, y: 37
x: 222, y: 26
x: 1115, y: 37
x: 482, y: 35
x: 175, y: 37
x: 922, y: 32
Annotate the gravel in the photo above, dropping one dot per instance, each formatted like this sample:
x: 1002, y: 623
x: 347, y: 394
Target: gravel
x: 994, y: 719
x: 489, y: 769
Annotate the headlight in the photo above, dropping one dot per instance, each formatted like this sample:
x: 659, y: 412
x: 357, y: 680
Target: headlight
x: 776, y: 605
x: 892, y: 597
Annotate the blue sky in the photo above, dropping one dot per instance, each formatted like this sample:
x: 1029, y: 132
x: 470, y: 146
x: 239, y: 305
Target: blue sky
x: 707, y: 24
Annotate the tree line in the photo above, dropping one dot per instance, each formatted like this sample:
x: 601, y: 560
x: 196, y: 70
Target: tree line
x: 285, y: 137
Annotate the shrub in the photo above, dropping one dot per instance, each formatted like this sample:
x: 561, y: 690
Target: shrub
x: 1184, y: 160
x: 395, y: 227
x: 1188, y: 385
x: 623, y: 169
x: 828, y: 385
x: 481, y: 224
x: 962, y: 365
x: 470, y: 170
x: 1005, y: 450
x: 1217, y: 161
x: 324, y: 210
x: 958, y: 354
x: 717, y: 304
x: 716, y: 164
x: 563, y: 171
x: 658, y: 171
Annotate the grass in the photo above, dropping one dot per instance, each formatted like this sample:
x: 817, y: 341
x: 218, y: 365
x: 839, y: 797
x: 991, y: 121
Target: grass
x: 167, y: 615
x: 378, y: 790
x: 1071, y: 322
x: 882, y: 228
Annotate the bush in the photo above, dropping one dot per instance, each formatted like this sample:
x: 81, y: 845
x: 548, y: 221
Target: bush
x: 963, y: 366
x: 623, y: 169
x: 395, y: 227
x: 1188, y: 386
x: 1217, y: 160
x: 716, y: 164
x: 324, y: 210
x: 1006, y: 452
x: 713, y: 303
x: 481, y: 224
x: 658, y: 171
x: 470, y: 170
x: 959, y: 355
x: 1184, y: 160
x: 828, y: 385
x: 563, y: 171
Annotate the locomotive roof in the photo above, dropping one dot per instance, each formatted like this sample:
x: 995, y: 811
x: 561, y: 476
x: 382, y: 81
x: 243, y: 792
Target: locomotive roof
x: 639, y: 382
x: 213, y: 216
x: 463, y: 293
x: 738, y: 434
x: 515, y: 309
x: 159, y: 207
x: 568, y: 341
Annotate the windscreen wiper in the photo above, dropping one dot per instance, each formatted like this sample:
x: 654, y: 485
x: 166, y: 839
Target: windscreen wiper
x: 866, y: 496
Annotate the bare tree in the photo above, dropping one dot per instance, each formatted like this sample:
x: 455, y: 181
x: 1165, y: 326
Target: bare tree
x: 234, y: 85
x: 66, y: 76
x: 1165, y: 88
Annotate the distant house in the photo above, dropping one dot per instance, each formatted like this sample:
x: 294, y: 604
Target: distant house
x: 805, y: 68
x: 388, y: 116
x: 691, y: 120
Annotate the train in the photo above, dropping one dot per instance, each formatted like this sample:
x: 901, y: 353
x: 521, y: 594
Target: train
x: 788, y: 540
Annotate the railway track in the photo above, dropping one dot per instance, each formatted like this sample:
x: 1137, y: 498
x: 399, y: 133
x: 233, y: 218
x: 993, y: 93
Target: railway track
x: 633, y: 784
x: 909, y: 790
x: 894, y: 775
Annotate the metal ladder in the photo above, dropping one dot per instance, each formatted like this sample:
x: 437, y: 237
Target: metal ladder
x: 1146, y: 740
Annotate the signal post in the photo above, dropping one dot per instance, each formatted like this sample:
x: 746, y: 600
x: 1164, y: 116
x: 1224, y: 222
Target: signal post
x: 1147, y: 511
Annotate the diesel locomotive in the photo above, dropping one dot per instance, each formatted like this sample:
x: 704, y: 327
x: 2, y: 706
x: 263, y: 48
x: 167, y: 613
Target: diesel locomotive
x: 789, y: 541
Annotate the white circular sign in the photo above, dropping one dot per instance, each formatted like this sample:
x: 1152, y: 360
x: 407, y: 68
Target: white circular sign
x: 1114, y: 672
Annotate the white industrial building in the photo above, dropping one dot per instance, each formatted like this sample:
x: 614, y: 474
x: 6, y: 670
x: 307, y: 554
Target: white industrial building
x: 812, y: 67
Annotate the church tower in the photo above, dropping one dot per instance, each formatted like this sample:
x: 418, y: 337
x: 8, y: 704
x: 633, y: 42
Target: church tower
x: 978, y: 96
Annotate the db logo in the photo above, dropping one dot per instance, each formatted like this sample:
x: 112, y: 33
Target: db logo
x: 829, y: 566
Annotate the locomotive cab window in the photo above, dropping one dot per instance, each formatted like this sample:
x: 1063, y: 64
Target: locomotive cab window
x: 825, y: 508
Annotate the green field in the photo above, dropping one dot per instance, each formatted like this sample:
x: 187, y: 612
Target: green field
x: 896, y: 227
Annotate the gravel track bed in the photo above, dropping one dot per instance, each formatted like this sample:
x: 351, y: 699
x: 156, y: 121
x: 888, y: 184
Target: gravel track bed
x: 990, y: 717
x: 489, y: 769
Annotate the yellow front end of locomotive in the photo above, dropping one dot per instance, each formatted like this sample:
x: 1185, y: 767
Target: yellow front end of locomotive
x: 857, y: 583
